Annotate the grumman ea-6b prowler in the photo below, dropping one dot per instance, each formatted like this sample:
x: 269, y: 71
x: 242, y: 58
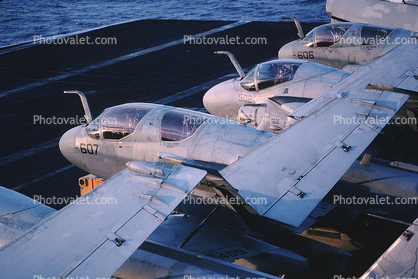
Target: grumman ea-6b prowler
x: 345, y: 45
x: 351, y: 46
x: 270, y: 92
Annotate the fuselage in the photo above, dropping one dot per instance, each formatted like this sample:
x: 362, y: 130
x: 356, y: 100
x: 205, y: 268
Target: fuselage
x: 271, y: 91
x: 341, y: 44
x: 104, y: 149
x: 143, y: 132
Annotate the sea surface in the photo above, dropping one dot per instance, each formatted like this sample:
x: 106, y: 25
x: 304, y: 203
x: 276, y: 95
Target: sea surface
x: 21, y: 20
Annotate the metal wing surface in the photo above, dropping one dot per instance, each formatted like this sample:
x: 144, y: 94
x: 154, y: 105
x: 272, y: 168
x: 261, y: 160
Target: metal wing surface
x: 289, y: 104
x: 285, y: 178
x: 95, y: 235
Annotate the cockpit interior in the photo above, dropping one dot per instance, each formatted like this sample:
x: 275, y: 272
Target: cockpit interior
x: 270, y: 73
x: 331, y: 34
x: 118, y: 122
x: 178, y: 125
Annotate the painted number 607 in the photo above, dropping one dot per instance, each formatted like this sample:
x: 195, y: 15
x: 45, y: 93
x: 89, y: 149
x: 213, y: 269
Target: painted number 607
x: 89, y: 148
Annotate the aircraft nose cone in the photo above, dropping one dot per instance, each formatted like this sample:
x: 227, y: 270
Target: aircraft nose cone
x: 67, y: 144
x: 210, y: 100
x: 286, y: 52
x: 221, y: 99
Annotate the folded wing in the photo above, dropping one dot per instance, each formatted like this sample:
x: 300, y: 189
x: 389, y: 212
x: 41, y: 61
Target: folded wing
x: 97, y: 233
x: 285, y: 178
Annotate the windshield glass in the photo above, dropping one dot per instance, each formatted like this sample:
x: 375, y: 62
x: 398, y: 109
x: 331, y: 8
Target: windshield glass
x: 93, y: 129
x: 275, y: 72
x: 373, y: 35
x: 330, y: 34
x: 308, y: 41
x: 178, y: 125
x: 118, y: 122
x: 248, y: 82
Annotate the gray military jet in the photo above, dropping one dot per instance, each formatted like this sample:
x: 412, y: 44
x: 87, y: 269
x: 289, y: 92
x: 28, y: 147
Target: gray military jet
x: 147, y: 132
x: 346, y: 45
x: 351, y: 46
x: 270, y: 92
x: 266, y: 100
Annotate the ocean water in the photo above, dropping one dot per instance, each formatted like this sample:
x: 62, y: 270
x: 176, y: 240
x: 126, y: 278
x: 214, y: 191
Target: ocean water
x: 21, y: 20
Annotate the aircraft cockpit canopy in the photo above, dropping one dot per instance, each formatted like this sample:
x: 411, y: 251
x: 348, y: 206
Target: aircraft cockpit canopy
x: 270, y: 73
x: 373, y: 35
x: 118, y: 122
x: 330, y: 34
x: 178, y: 125
x: 326, y: 35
